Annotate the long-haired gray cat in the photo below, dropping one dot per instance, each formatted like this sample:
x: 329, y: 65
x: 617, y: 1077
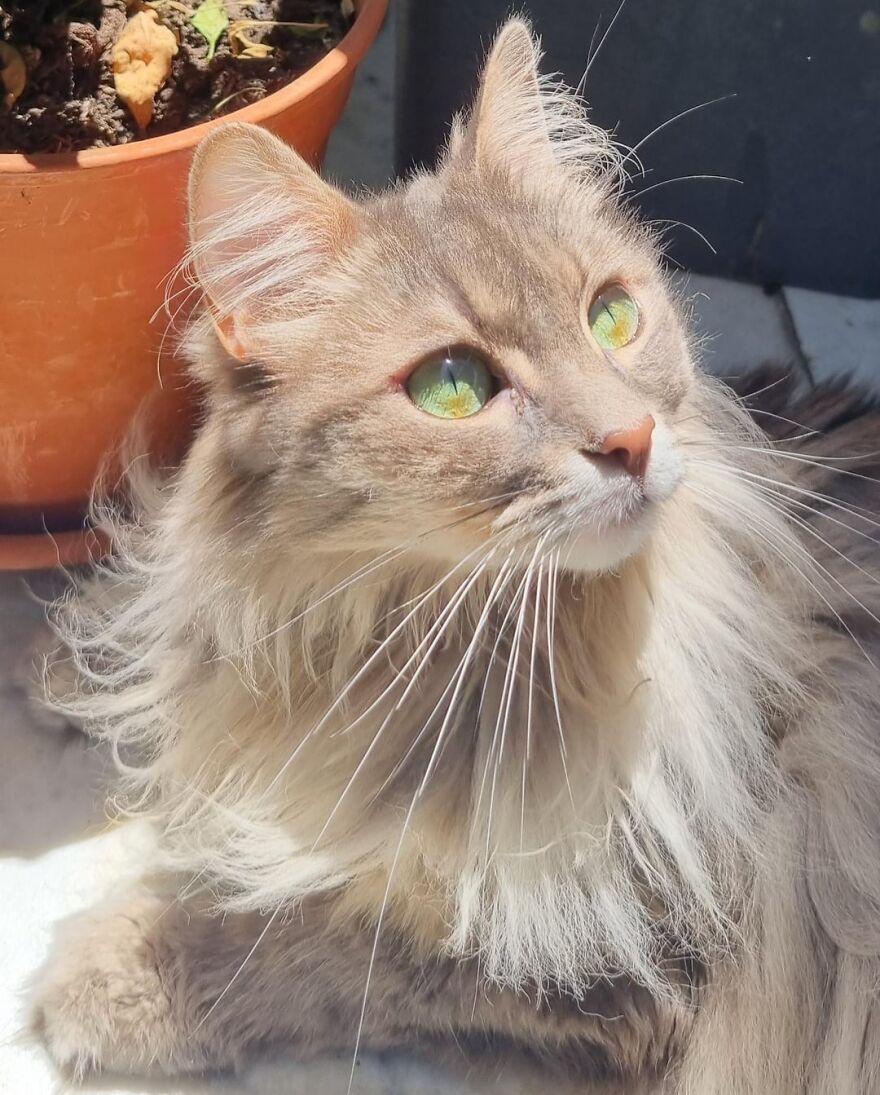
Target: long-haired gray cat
x: 493, y: 680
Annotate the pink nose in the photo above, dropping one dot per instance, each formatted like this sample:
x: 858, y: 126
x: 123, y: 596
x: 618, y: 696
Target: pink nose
x: 631, y: 448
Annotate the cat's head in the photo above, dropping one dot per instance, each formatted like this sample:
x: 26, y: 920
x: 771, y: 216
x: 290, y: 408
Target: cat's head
x: 488, y: 354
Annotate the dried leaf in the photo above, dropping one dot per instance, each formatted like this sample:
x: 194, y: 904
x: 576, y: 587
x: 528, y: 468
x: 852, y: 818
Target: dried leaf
x: 257, y: 51
x: 142, y: 63
x: 210, y: 20
x: 13, y: 73
x: 241, y: 43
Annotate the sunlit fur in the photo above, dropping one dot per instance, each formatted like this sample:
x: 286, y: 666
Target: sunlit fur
x: 460, y: 670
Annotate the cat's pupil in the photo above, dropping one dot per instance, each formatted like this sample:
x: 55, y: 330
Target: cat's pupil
x: 449, y: 374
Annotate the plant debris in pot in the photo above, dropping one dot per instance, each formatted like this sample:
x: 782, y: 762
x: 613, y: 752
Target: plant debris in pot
x: 78, y: 74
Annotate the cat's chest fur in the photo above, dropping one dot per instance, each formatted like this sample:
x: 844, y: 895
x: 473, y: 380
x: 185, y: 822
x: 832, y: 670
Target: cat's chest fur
x: 556, y: 798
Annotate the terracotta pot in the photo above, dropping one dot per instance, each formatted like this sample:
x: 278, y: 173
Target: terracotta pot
x: 88, y: 241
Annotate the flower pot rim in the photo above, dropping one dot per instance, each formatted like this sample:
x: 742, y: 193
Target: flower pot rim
x: 45, y: 550
x: 345, y: 55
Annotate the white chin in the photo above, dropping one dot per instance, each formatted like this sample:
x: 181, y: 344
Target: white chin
x: 589, y: 552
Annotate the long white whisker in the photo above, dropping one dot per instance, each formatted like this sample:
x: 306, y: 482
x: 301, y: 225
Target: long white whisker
x: 365, y: 668
x: 859, y: 513
x: 509, y: 686
x: 591, y: 58
x: 552, y: 589
x: 801, y: 458
x: 386, y: 557
x: 683, y: 178
x: 429, y: 640
x: 818, y: 458
x: 384, y: 906
x: 497, y: 587
x: 816, y: 512
x: 871, y: 577
x: 782, y: 485
x: 240, y: 969
x: 530, y: 702
x: 502, y: 627
x: 676, y: 118
x: 806, y: 527
x: 689, y: 227
x: 748, y: 515
x: 450, y: 614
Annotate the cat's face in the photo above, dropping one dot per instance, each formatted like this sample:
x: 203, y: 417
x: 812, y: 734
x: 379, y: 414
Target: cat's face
x: 488, y: 355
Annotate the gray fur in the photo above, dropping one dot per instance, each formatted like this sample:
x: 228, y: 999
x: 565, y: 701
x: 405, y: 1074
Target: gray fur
x: 667, y: 880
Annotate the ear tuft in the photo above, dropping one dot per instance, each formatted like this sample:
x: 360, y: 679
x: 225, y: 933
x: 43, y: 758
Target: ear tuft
x: 262, y: 223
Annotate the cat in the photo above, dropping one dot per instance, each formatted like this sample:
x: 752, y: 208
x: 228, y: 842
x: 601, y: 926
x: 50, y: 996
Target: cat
x: 494, y: 681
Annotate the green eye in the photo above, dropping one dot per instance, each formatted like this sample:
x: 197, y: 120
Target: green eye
x: 454, y: 385
x: 614, y: 318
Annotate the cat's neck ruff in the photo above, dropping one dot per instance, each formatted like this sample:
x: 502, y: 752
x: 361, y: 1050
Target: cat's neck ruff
x: 573, y: 815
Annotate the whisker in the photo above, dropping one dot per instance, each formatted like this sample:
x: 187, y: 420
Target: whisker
x: 677, y: 117
x: 503, y: 497
x: 683, y: 178
x: 375, y: 948
x: 384, y: 906
x: 689, y: 227
x: 380, y: 650
x: 806, y: 527
x: 781, y: 418
x: 748, y: 515
x: 770, y: 493
x: 551, y: 647
x: 789, y: 501
x: 498, y: 639
x: 495, y: 592
x: 240, y: 969
x: 439, y: 625
x: 821, y: 459
x: 528, y: 748
x: 450, y: 610
x: 857, y: 512
x: 506, y: 702
x: 768, y: 387
x: 591, y: 58
x: 816, y: 463
x: 388, y: 556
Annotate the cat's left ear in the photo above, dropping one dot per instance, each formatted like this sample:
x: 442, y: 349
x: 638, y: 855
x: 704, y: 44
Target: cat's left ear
x: 509, y: 124
x: 519, y: 125
x: 262, y: 223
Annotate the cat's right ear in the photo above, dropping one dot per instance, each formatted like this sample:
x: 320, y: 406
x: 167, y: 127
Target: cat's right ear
x: 262, y: 222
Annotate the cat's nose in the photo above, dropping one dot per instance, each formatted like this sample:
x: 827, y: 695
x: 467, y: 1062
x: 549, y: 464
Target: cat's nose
x: 631, y: 448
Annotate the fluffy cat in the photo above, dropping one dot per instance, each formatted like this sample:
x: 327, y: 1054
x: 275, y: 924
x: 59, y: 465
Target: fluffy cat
x: 492, y: 679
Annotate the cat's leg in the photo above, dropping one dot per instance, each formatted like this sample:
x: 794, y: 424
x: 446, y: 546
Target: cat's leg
x: 101, y: 1000
x: 148, y: 984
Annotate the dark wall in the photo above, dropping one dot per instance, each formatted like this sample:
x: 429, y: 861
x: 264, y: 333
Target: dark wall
x: 802, y: 133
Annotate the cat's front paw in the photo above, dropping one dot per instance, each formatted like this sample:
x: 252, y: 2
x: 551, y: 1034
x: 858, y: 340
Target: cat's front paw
x: 101, y: 1001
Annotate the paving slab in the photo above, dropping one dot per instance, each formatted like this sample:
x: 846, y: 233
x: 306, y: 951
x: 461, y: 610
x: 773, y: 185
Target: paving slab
x: 742, y: 325
x: 838, y: 336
